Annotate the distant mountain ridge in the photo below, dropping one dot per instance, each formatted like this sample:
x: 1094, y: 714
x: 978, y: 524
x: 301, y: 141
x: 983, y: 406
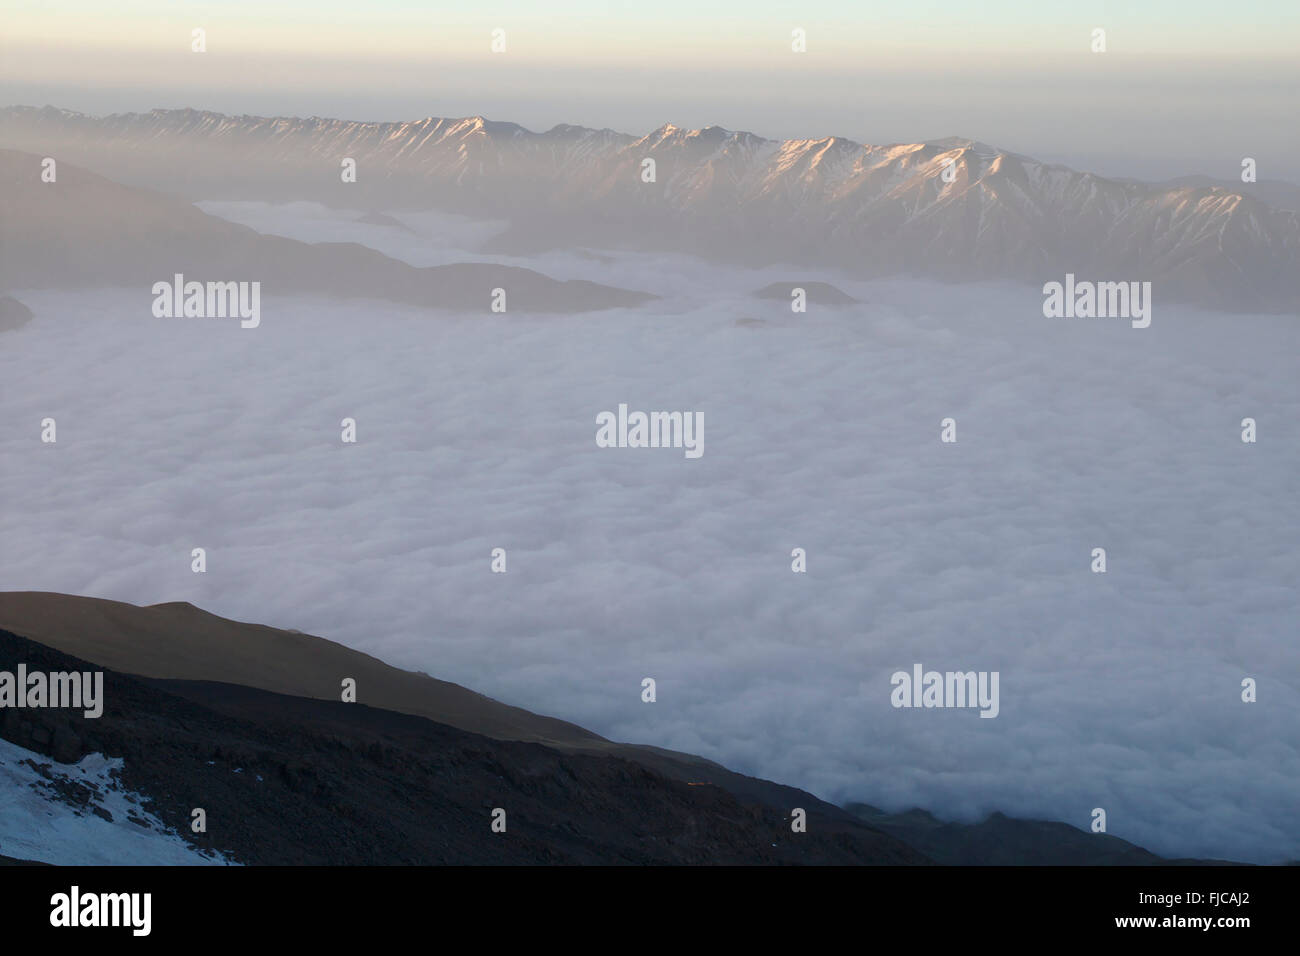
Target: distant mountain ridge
x: 866, y: 210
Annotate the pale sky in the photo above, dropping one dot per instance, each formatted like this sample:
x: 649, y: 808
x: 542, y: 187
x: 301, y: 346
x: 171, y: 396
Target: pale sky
x: 1184, y: 85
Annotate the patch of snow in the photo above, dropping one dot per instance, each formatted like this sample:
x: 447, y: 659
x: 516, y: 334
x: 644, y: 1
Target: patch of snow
x: 36, y: 824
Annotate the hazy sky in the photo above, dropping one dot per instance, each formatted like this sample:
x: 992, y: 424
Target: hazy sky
x: 1184, y: 86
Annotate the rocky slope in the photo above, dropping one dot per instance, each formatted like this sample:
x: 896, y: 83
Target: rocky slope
x: 245, y: 721
x: 288, y: 780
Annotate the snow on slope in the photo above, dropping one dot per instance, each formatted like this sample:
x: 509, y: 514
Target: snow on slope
x: 39, y: 821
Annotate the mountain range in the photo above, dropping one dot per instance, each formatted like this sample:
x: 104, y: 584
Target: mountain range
x: 951, y: 209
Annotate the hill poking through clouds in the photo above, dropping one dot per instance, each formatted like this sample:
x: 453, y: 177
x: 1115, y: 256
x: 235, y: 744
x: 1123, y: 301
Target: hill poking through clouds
x: 85, y: 230
x: 950, y: 209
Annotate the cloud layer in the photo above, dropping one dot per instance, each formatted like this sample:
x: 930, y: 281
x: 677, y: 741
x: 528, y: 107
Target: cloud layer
x: 1119, y: 691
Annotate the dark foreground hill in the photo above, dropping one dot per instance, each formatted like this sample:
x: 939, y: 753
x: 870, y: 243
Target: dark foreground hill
x: 287, y: 780
x: 244, y: 720
x: 1004, y: 841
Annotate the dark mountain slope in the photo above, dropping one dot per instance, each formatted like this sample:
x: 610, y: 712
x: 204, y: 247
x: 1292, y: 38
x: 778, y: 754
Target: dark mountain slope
x: 1004, y: 841
x: 179, y: 641
x: 287, y: 684
x: 297, y: 781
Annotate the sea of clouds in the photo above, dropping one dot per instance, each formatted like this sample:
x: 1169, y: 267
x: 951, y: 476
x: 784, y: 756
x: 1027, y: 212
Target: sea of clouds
x: 821, y: 431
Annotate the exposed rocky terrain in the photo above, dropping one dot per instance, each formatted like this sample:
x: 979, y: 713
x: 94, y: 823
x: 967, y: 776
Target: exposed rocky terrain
x: 287, y: 780
x: 288, y: 773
